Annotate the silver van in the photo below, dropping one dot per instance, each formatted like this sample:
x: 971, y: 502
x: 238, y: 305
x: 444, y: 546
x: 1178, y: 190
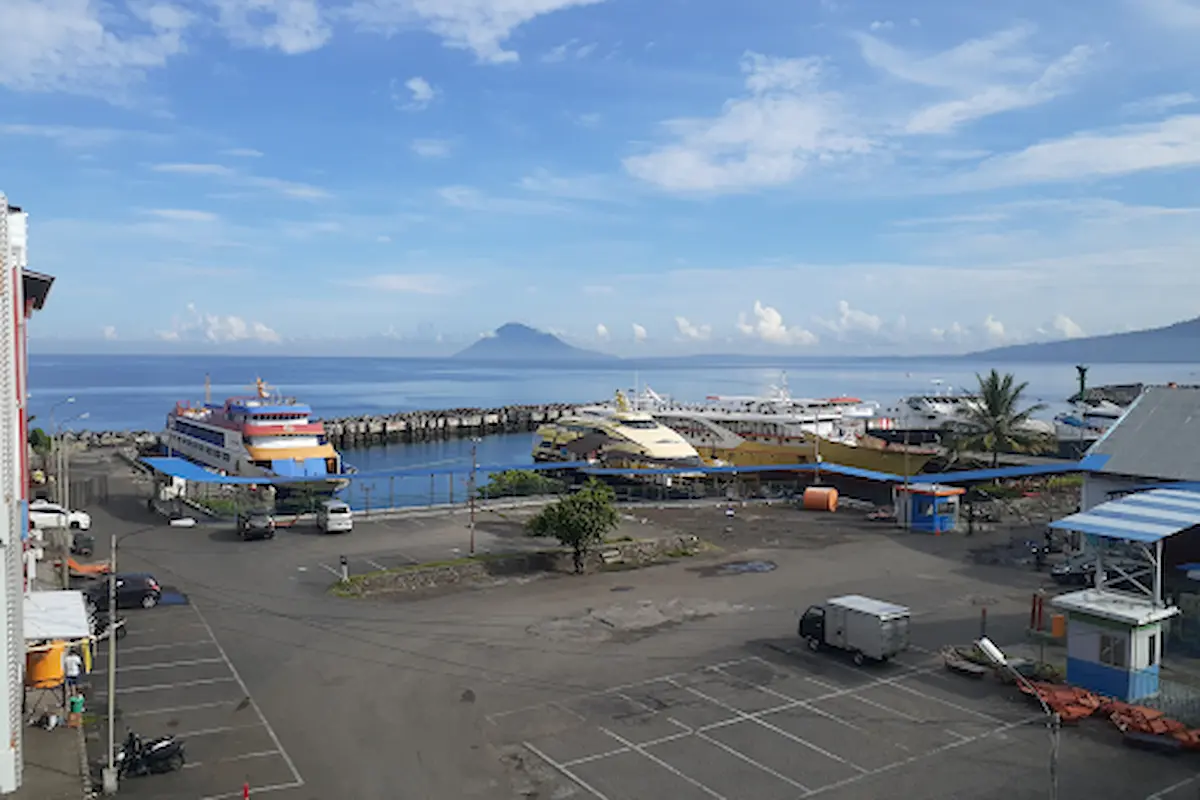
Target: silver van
x: 334, y: 516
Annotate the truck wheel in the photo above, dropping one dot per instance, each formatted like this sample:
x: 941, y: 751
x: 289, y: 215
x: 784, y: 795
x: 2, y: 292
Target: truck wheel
x: 860, y: 659
x: 814, y: 643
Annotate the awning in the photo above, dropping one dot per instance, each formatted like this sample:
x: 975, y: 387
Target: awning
x: 1144, y: 517
x: 56, y: 616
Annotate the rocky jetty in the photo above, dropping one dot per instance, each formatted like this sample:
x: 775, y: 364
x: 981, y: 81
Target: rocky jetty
x: 376, y: 429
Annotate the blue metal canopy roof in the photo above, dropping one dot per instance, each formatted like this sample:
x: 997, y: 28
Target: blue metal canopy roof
x: 190, y: 471
x: 1145, y: 517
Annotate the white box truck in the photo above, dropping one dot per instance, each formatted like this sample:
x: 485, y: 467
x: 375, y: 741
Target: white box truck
x: 871, y: 630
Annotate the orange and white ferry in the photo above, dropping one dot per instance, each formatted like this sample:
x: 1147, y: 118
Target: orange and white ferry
x: 261, y: 435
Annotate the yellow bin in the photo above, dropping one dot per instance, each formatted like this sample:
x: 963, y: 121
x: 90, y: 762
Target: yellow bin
x: 44, y: 668
x: 1058, y: 626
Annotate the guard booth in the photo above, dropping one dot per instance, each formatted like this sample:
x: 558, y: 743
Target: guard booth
x: 927, y: 507
x: 1116, y: 630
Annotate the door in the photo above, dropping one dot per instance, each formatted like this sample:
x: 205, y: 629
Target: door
x: 812, y: 624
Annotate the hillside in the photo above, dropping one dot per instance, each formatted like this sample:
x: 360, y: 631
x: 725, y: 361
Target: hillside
x: 517, y: 342
x: 1178, y: 343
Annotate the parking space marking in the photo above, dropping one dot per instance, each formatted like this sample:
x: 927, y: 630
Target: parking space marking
x: 256, y: 790
x: 375, y: 564
x: 562, y: 768
x: 177, y: 709
x: 641, y: 751
x: 149, y: 647
x: 242, y: 757
x: 331, y: 570
x: 253, y: 703
x: 160, y: 686
x: 805, y: 704
x: 758, y: 720
x: 140, y: 631
x: 1162, y: 794
x: 162, y: 665
x: 752, y: 762
x: 213, y: 731
x: 868, y: 701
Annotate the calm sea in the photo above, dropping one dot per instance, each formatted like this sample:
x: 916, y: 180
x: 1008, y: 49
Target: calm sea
x: 136, y: 392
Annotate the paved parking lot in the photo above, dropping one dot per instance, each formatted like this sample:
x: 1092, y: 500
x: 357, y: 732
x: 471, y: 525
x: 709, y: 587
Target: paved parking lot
x: 753, y: 728
x: 174, y: 678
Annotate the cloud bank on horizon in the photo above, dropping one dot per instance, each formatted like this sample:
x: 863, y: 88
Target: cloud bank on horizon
x: 835, y: 177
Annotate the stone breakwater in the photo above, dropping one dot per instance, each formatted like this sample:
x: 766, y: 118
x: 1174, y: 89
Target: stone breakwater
x: 376, y: 429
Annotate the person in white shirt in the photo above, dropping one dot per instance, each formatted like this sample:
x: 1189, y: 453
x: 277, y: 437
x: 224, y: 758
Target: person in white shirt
x: 73, y: 668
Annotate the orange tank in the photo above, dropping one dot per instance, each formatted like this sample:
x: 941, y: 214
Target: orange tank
x: 820, y: 498
x: 44, y: 668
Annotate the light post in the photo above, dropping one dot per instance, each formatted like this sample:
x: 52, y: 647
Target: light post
x: 471, y: 491
x: 54, y: 447
x: 1053, y: 721
x: 62, y: 466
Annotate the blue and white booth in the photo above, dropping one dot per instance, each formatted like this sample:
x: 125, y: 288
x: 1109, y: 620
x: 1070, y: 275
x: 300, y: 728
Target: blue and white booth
x: 1115, y: 630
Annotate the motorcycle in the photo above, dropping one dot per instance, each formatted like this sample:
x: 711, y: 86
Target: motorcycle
x: 155, y: 757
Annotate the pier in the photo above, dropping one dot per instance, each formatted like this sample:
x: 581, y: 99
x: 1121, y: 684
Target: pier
x: 368, y: 430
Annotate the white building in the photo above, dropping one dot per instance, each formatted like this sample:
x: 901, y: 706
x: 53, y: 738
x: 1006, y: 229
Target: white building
x: 1156, y: 442
x: 21, y: 293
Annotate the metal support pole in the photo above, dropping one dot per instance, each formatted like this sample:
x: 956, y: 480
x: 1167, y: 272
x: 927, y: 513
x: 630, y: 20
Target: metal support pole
x: 471, y: 498
x: 391, y: 491
x: 65, y: 537
x: 109, y: 773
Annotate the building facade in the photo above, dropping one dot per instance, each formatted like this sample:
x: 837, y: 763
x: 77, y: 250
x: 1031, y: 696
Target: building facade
x: 21, y: 293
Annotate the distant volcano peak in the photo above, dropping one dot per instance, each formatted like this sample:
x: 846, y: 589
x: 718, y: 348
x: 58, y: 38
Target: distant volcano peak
x: 514, y: 341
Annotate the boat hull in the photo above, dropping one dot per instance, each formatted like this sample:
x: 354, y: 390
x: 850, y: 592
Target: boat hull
x: 763, y: 454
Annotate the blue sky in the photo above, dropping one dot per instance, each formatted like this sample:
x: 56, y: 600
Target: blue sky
x: 655, y: 177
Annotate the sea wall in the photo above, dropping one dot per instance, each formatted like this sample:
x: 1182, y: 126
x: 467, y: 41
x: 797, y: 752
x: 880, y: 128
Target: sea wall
x: 375, y: 429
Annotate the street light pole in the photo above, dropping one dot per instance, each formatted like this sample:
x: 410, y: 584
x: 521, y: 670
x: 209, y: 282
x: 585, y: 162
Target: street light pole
x: 56, y: 456
x: 471, y: 491
x: 109, y: 773
x: 1053, y: 720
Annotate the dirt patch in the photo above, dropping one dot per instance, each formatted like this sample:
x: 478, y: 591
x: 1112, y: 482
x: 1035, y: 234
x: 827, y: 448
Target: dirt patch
x: 623, y: 621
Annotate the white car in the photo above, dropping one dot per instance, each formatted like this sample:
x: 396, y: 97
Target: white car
x: 44, y: 514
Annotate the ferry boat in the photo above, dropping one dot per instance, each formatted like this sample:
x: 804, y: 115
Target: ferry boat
x: 262, y: 435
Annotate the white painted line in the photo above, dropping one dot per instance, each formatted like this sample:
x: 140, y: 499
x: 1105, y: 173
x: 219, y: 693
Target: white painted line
x: 570, y: 711
x: 147, y: 648
x: 335, y: 573
x: 375, y: 564
x: 1161, y: 794
x: 270, y: 731
x: 936, y: 751
x: 948, y: 703
x: 559, y: 767
x: 175, y: 709
x: 214, y: 731
x: 255, y: 791
x: 888, y: 709
x: 597, y: 757
x: 753, y: 763
x: 744, y: 717
x: 800, y: 703
x: 140, y: 631
x: 161, y: 665
x: 642, y: 752
x: 159, y: 686
x: 243, y: 757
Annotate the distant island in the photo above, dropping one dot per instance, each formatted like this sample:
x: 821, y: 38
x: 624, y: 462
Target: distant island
x: 1173, y: 344
x: 517, y: 342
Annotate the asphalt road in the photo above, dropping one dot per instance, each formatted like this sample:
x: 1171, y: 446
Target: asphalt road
x: 677, y: 681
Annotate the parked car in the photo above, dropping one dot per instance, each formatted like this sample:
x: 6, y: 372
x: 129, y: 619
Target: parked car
x: 256, y: 525
x: 1081, y: 572
x: 44, y: 514
x: 134, y: 590
x: 334, y: 516
x: 83, y: 544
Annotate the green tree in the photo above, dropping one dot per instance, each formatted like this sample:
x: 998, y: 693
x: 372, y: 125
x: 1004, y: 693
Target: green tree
x: 997, y: 423
x: 519, y: 483
x: 579, y: 521
x: 39, y: 441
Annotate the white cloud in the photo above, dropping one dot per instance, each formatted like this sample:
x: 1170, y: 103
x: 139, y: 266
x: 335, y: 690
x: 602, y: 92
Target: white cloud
x: 768, y: 137
x: 293, y: 189
x: 602, y: 332
x: 994, y: 329
x: 768, y: 326
x: 243, y: 152
x: 420, y: 93
x: 289, y: 26
x: 1067, y: 327
x: 639, y: 333
x: 402, y: 283
x: 431, y: 148
x: 570, y: 49
x: 575, y: 187
x: 586, y: 120
x: 72, y: 136
x: 692, y: 332
x: 480, y: 26
x: 954, y: 334
x: 852, y: 321
x: 469, y: 198
x: 109, y: 332
x: 1170, y: 143
x: 882, y: 25
x: 1160, y: 104
x: 987, y: 76
x: 1176, y: 14
x: 86, y: 47
x: 182, y: 215
x: 199, y: 326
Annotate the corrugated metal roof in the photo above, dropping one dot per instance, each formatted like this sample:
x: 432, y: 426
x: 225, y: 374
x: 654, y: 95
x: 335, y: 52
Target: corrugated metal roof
x: 1158, y: 437
x: 189, y: 471
x: 1146, y: 517
x: 1088, y: 464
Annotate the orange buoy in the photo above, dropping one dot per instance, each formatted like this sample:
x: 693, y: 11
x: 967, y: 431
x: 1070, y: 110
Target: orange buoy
x: 820, y: 498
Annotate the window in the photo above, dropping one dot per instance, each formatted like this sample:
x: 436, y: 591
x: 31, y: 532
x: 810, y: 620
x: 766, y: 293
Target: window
x: 1112, y: 650
x: 1152, y: 650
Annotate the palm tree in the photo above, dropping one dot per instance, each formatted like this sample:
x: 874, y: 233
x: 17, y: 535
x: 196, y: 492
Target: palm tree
x: 997, y: 423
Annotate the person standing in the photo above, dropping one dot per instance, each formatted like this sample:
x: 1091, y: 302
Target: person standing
x: 73, y: 669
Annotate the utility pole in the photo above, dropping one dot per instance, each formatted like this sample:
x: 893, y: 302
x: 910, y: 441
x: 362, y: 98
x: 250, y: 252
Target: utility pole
x: 109, y: 773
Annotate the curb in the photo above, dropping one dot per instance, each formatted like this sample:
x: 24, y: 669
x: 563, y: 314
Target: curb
x: 85, y: 771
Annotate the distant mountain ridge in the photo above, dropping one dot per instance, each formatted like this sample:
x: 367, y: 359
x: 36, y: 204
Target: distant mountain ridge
x: 1178, y: 343
x: 517, y: 342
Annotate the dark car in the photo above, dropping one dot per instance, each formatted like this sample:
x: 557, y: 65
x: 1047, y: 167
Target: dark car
x: 1082, y: 573
x: 256, y: 525
x: 82, y: 544
x: 134, y: 590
